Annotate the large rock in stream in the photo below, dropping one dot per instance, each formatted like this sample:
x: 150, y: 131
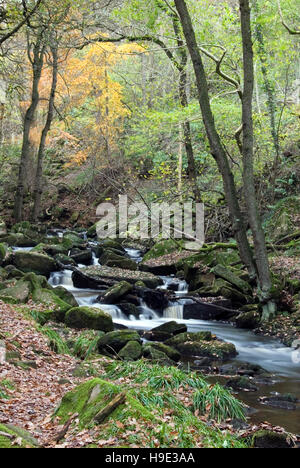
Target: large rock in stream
x: 95, y: 276
x: 89, y: 317
x: 34, y: 262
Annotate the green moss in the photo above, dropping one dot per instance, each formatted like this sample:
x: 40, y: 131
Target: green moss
x: 3, y: 251
x: 132, y: 351
x: 89, y: 317
x: 163, y: 248
x: 25, y: 439
x: 87, y: 400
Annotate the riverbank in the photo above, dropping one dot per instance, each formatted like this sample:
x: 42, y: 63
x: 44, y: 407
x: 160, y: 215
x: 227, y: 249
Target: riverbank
x: 94, y: 288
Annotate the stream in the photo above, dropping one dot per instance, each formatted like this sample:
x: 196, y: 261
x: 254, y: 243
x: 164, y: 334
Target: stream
x: 266, y: 352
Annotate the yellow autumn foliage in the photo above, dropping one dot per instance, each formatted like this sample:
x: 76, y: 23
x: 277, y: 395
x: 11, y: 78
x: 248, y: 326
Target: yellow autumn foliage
x: 86, y: 81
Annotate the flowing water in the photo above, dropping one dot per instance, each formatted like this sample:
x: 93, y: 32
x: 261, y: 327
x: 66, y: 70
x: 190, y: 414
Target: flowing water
x: 266, y: 352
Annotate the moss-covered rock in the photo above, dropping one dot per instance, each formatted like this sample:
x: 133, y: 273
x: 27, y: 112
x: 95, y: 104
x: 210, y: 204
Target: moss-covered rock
x: 248, y: 320
x: 114, y: 341
x: 156, y: 356
x: 184, y: 337
x: 132, y: 351
x: 222, y: 288
x: 83, y: 257
x: 34, y: 262
x: 202, y: 344
x: 172, y: 328
x: 168, y: 350
x: 18, y: 240
x: 65, y: 260
x: 89, y: 398
x: 117, y: 292
x: 112, y: 259
x: 226, y: 274
x: 14, y: 437
x: 89, y: 317
x: 241, y: 383
x: 272, y: 440
x: 20, y: 292
x: 112, y: 244
x: 162, y: 248
x: 74, y: 240
x: 217, y: 350
x: 97, y: 274
x: 66, y: 296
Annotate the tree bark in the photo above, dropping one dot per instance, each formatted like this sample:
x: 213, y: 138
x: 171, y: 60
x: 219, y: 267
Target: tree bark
x: 37, y: 66
x: 217, y: 149
x: 261, y: 255
x: 38, y: 188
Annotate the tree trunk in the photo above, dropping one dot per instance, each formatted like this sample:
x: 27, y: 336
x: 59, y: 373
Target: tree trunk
x: 37, y: 66
x: 262, y: 262
x: 38, y: 189
x: 216, y: 146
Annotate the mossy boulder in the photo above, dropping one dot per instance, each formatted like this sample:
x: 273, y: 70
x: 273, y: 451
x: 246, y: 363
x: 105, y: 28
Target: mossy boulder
x: 172, y: 328
x: 112, y: 259
x: 20, y: 292
x: 114, y: 341
x: 162, y: 248
x: 112, y: 244
x: 97, y: 274
x: 73, y: 240
x: 34, y: 262
x: 14, y: 437
x: 89, y: 398
x: 226, y: 274
x: 18, y: 240
x: 272, y: 440
x: 248, y: 320
x: 89, y: 317
x: 168, y: 350
x: 65, y: 260
x: 222, y: 288
x: 92, y: 232
x: 132, y: 351
x: 117, y: 292
x: 282, y: 220
x: 66, y: 296
x: 158, y: 357
x: 184, y: 337
x: 202, y: 344
x: 215, y: 350
x: 210, y: 256
x: 83, y: 257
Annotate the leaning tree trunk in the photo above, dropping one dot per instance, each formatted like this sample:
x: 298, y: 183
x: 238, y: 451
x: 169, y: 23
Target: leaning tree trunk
x: 37, y: 66
x: 38, y: 188
x: 261, y: 255
x: 216, y: 146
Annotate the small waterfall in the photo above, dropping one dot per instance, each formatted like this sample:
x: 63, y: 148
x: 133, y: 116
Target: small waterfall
x: 174, y: 311
x: 147, y: 313
x: 134, y: 254
x: 22, y: 249
x: 61, y: 278
x: 95, y: 260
